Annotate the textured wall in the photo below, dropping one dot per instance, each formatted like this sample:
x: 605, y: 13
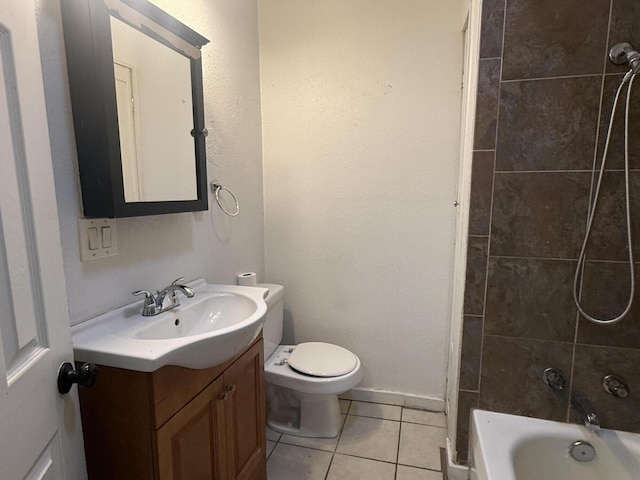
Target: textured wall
x: 360, y: 127
x: 155, y: 250
x: 545, y: 93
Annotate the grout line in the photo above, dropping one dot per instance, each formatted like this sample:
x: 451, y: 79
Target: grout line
x: 533, y: 172
x: 369, y: 458
x: 560, y: 77
x: 326, y: 475
x: 271, y: 452
x: 590, y: 345
x: 422, y: 468
x: 612, y: 74
x: 316, y: 449
x: 376, y: 418
x: 588, y: 261
x: 424, y: 424
x: 573, y: 364
x: 512, y: 172
x: 497, y: 335
x: 608, y: 170
x: 620, y: 170
x: 606, y: 47
x: 517, y: 257
x: 369, y: 401
x: 398, y: 446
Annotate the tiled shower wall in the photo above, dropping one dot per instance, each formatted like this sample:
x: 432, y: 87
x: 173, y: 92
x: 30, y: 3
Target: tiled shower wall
x: 544, y: 100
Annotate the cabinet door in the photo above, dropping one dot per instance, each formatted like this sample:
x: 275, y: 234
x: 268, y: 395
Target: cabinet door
x: 191, y: 445
x: 245, y: 416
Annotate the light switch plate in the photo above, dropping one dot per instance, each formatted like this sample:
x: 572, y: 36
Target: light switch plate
x: 106, y: 243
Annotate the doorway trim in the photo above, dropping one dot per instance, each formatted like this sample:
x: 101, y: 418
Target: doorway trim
x: 471, y: 32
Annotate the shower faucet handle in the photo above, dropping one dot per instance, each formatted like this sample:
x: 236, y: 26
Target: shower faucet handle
x: 554, y: 378
x: 615, y: 385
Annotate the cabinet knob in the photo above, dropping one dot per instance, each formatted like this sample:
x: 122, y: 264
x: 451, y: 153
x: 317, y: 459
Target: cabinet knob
x: 228, y: 390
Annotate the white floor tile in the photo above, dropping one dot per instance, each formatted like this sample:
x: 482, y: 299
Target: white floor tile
x: 420, y: 445
x: 288, y: 462
x: 436, y: 419
x: 344, y: 467
x: 370, y: 438
x: 371, y: 441
x: 270, y: 446
x: 327, y: 444
x: 273, y: 435
x: 344, y: 405
x: 412, y: 473
x: 376, y: 410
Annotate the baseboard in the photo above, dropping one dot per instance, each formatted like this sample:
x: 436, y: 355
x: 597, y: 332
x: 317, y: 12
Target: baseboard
x: 455, y: 471
x: 395, y: 398
x: 424, y: 403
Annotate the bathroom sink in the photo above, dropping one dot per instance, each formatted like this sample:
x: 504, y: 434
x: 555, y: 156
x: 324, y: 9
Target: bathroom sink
x: 217, y: 324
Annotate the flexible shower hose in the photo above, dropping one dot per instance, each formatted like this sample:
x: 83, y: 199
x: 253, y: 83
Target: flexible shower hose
x: 629, y: 77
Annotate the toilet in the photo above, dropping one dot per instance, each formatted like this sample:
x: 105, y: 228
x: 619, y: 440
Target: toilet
x: 303, y: 381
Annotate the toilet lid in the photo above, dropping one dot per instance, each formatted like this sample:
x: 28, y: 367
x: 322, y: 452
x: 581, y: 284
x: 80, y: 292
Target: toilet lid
x: 322, y: 359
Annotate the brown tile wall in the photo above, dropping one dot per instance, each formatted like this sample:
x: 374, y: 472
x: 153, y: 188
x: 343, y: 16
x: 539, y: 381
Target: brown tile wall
x: 544, y: 99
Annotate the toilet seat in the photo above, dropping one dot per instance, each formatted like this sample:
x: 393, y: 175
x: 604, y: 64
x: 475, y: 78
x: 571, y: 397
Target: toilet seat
x: 278, y: 372
x: 320, y: 359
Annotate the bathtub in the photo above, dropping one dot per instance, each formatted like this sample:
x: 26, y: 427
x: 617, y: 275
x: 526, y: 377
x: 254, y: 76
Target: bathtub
x: 509, y: 447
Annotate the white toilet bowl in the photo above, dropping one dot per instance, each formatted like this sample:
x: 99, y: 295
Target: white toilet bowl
x: 303, y: 395
x: 303, y: 381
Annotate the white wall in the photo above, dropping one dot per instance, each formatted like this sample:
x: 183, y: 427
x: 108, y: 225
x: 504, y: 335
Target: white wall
x: 155, y: 250
x: 360, y: 113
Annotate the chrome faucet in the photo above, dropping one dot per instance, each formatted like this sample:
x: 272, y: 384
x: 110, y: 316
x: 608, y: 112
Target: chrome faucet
x: 583, y: 407
x: 165, y: 298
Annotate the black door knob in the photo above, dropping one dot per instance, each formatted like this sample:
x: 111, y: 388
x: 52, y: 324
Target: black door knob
x: 85, y: 376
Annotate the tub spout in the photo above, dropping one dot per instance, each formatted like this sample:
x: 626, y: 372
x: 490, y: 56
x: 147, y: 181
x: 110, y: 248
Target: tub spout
x: 583, y: 407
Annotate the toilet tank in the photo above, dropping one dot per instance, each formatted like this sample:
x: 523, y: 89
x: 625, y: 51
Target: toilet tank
x: 272, y: 329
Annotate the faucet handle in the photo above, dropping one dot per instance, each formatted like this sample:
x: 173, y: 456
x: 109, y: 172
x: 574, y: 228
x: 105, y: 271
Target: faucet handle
x: 616, y: 386
x: 149, y: 308
x: 147, y: 294
x: 554, y: 378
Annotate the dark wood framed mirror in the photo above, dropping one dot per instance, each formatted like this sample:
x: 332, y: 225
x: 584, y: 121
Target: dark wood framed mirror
x: 135, y: 77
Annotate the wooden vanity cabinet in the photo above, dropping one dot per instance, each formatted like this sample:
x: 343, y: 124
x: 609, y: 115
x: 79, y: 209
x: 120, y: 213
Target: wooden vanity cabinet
x: 176, y: 423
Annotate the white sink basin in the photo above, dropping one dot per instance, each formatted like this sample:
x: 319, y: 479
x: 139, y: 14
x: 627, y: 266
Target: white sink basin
x: 204, y: 331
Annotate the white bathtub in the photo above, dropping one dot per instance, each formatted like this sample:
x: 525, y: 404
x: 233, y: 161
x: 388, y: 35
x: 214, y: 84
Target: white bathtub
x: 509, y: 447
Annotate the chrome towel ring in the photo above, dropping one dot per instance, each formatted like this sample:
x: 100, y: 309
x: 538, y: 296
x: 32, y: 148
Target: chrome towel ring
x: 216, y: 188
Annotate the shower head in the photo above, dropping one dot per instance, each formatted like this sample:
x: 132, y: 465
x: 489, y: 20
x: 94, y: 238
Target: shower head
x: 622, y: 53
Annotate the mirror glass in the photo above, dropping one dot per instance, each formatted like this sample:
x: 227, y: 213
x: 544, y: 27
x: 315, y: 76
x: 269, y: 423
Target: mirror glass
x: 155, y: 117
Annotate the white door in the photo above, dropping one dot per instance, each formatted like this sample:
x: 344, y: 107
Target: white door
x: 40, y: 432
x: 127, y: 121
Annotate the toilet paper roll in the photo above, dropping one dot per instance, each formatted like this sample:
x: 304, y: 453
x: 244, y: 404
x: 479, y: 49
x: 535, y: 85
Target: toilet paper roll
x: 248, y: 279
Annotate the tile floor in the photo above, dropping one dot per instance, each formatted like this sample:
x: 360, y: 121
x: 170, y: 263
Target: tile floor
x: 377, y: 442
